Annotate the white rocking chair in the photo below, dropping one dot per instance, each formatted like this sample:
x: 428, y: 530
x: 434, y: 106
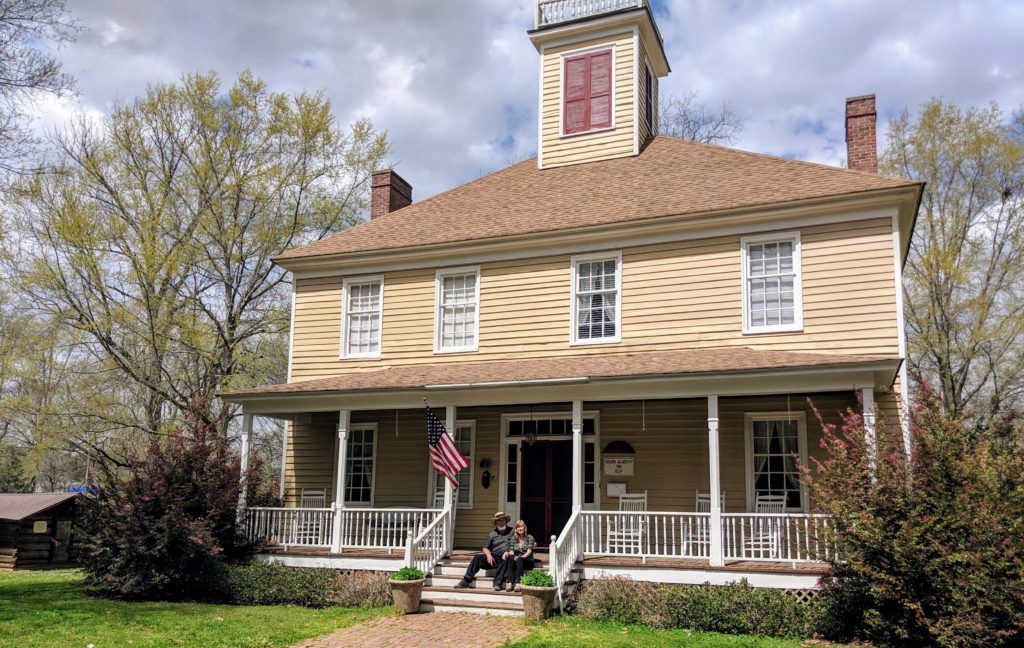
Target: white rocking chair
x: 699, y: 529
x: 626, y: 531
x: 766, y: 532
x: 307, y: 525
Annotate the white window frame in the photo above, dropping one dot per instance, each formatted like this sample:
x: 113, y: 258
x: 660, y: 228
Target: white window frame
x: 432, y: 482
x: 561, y: 88
x: 346, y: 286
x: 748, y: 435
x: 438, y: 313
x: 573, y: 307
x: 362, y: 427
x: 798, y: 302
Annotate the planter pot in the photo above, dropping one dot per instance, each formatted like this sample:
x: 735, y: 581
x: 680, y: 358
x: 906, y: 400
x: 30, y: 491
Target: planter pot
x: 407, y: 594
x: 538, y: 601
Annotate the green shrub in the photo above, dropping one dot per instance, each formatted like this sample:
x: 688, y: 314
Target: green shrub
x: 270, y: 584
x: 932, y: 548
x: 537, y: 578
x: 617, y: 598
x: 407, y: 574
x: 736, y: 608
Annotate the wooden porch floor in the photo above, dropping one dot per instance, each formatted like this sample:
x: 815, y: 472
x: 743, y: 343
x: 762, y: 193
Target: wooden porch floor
x: 466, y: 553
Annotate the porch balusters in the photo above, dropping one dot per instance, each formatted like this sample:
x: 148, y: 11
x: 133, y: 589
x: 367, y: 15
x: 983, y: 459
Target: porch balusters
x: 716, y: 559
x: 339, y: 484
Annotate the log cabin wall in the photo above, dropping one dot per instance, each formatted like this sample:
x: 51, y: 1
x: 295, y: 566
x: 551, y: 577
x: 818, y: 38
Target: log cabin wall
x: 21, y: 547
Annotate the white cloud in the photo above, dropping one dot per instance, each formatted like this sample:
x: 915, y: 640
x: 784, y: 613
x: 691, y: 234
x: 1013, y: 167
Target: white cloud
x: 454, y: 81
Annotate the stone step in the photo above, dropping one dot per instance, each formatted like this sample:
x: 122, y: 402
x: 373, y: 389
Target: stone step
x: 438, y: 604
x: 478, y: 596
x: 446, y: 568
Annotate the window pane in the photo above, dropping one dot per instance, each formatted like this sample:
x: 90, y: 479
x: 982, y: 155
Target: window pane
x: 457, y: 311
x: 776, y: 459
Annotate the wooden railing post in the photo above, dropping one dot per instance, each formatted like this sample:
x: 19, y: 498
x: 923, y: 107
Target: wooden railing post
x: 408, y: 549
x: 339, y: 484
x: 716, y: 559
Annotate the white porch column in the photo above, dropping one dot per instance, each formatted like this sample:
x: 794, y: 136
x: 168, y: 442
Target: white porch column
x: 716, y: 559
x: 867, y: 397
x: 577, y: 455
x: 244, y: 473
x: 339, y: 484
x: 450, y: 496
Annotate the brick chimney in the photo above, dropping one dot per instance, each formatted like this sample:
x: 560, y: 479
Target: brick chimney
x: 389, y: 192
x: 861, y: 149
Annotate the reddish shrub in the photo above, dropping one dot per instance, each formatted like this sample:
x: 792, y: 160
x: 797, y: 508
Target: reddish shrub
x: 161, y: 527
x: 930, y: 549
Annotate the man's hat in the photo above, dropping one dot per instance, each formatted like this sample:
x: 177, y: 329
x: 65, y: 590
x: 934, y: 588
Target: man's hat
x: 501, y: 515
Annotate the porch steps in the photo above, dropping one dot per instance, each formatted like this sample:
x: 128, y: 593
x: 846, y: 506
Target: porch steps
x: 440, y: 595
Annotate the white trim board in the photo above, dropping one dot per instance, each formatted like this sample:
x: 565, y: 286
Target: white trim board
x: 586, y: 240
x: 710, y: 576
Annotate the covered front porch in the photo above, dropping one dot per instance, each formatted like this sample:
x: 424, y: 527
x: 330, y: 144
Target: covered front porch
x: 610, y: 476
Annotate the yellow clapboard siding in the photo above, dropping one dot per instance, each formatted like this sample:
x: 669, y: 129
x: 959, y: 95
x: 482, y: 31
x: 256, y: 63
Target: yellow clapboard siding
x: 675, y: 295
x: 616, y: 142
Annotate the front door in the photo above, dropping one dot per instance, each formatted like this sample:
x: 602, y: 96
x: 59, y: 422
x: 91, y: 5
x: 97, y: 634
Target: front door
x: 546, y: 488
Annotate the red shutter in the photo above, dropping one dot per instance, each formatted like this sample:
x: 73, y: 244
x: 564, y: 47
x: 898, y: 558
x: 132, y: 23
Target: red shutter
x: 574, y: 110
x: 601, y: 90
x: 587, y: 96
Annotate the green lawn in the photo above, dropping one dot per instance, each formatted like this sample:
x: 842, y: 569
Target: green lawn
x: 49, y: 609
x: 576, y: 632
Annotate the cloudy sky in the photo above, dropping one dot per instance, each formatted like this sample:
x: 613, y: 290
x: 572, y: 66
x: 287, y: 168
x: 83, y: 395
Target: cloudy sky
x: 454, y: 82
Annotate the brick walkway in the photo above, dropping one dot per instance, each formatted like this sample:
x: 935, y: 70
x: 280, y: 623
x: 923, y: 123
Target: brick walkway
x: 430, y: 630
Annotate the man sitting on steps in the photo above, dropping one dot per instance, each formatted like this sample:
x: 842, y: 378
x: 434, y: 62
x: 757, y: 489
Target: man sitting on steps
x: 493, y: 556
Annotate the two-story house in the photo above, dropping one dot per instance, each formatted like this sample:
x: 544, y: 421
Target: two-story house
x: 615, y: 332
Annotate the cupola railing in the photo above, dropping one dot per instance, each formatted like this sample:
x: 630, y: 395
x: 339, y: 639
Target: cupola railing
x: 550, y: 12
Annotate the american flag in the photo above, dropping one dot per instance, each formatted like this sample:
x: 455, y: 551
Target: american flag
x: 444, y: 453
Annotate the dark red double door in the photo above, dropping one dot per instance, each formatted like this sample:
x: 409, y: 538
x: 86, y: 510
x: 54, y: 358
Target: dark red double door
x: 546, y: 502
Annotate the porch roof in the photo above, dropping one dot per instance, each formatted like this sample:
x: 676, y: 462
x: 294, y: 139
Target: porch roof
x: 572, y: 369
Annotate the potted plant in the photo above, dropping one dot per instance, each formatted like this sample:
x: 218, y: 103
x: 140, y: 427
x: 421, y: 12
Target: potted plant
x: 538, y: 590
x: 406, y: 589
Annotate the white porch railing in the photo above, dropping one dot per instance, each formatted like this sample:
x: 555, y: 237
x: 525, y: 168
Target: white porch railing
x: 290, y: 527
x: 788, y: 537
x: 360, y: 528
x: 647, y: 534
x: 429, y: 546
x: 785, y: 537
x: 386, y: 528
x: 556, y: 11
x: 564, y: 551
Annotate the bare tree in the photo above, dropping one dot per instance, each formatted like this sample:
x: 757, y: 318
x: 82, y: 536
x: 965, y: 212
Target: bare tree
x: 685, y: 117
x: 27, y: 71
x: 965, y: 305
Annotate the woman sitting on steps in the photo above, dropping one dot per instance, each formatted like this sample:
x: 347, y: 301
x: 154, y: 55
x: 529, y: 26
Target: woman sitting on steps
x: 520, y: 555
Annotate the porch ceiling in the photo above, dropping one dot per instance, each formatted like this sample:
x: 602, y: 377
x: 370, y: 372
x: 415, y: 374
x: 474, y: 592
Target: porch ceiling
x: 619, y: 376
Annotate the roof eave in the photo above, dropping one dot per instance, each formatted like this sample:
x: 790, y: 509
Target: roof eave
x: 549, y: 242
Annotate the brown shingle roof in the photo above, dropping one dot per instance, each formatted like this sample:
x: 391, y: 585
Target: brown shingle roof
x: 18, y: 506
x: 594, y: 367
x: 670, y: 177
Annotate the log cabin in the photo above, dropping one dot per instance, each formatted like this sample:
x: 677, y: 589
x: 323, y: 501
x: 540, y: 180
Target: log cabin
x: 36, y: 529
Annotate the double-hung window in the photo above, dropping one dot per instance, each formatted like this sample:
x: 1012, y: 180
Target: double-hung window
x: 457, y: 318
x: 596, y: 298
x: 363, y: 303
x: 772, y: 300
x: 776, y: 447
